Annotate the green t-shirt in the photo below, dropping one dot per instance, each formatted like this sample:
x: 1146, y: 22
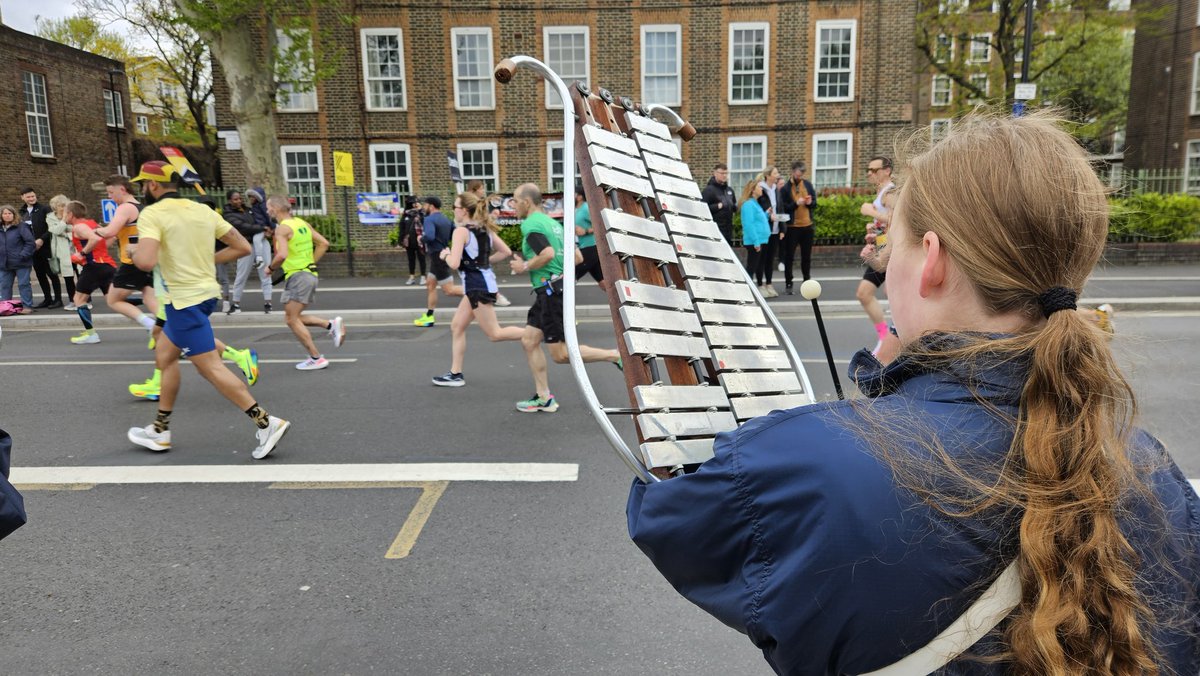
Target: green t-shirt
x: 583, y: 219
x: 552, y: 230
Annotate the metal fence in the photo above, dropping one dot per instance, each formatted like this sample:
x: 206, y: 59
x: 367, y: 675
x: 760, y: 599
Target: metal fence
x: 1124, y: 183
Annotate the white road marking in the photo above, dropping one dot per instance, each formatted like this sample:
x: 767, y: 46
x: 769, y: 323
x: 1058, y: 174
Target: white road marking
x: 135, y: 362
x: 276, y: 473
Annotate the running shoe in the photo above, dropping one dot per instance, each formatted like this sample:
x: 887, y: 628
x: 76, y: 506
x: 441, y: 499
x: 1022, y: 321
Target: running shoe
x: 148, y: 390
x: 247, y: 361
x: 337, y: 331
x: 234, y: 309
x: 69, y: 307
x: 620, y: 364
x: 536, y: 404
x: 151, y: 343
x: 312, y: 364
x: 411, y: 280
x: 450, y: 379
x: 89, y: 337
x: 266, y: 308
x: 424, y: 320
x: 269, y: 436
x: 502, y: 300
x: 147, y: 437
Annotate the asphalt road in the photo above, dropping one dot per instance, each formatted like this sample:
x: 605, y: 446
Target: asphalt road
x: 319, y: 574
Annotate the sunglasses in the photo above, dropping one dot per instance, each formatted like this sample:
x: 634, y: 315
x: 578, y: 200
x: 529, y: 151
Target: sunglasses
x: 872, y: 170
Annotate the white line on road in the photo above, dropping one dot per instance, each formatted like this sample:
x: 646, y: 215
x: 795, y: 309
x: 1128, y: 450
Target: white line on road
x: 144, y: 362
x: 272, y: 473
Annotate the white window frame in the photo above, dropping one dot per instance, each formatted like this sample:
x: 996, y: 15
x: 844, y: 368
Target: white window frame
x: 952, y: 6
x: 489, y: 62
x: 283, y: 151
x: 852, y: 24
x: 114, y: 109
x: 1191, y: 150
x: 933, y: 91
x: 33, y: 117
x: 937, y: 44
x: 494, y: 177
x: 386, y: 147
x: 945, y: 122
x: 552, y: 146
x: 762, y: 164
x: 678, y: 31
x: 765, y: 72
x: 166, y: 127
x: 1195, y: 98
x: 552, y: 102
x: 306, y: 101
x: 986, y: 44
x: 839, y: 136
x: 973, y: 78
x: 398, y: 33
x: 142, y: 123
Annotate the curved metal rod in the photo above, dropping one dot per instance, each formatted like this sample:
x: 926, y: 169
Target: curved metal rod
x: 504, y: 73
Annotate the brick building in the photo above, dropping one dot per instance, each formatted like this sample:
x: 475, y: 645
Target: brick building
x: 67, y: 122
x: 413, y: 82
x: 1164, y: 95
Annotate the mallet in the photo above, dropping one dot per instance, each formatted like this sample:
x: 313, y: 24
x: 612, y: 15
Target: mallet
x: 811, y: 289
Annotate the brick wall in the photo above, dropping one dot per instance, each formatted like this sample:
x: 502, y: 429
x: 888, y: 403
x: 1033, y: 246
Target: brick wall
x: 1160, y: 119
x: 521, y: 125
x: 85, y: 148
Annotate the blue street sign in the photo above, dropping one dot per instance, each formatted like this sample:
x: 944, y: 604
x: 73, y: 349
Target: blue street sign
x: 1018, y: 108
x: 108, y: 209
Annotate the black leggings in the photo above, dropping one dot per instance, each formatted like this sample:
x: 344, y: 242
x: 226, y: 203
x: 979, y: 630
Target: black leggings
x: 415, y: 255
x: 804, y: 238
x: 753, y: 259
x: 766, y: 263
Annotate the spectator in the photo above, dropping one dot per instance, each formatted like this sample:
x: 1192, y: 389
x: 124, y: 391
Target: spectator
x: 755, y: 231
x: 60, y: 247
x: 721, y: 201
x: 410, y: 230
x: 241, y: 217
x: 769, y: 201
x: 17, y: 245
x: 798, y: 200
x: 34, y: 214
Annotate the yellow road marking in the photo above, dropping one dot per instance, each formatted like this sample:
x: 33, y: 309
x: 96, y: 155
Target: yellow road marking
x: 403, y: 544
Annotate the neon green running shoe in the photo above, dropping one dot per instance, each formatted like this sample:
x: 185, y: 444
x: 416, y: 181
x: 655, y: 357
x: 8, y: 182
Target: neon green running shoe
x: 247, y: 361
x: 424, y: 320
x: 147, y: 390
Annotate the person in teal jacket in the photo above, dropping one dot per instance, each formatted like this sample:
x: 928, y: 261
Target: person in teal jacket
x: 755, y: 230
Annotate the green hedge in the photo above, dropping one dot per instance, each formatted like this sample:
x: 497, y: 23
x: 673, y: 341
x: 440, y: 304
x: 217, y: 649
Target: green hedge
x: 1154, y: 217
x: 331, y: 228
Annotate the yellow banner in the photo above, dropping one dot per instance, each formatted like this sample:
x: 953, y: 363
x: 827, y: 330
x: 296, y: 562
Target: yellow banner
x: 343, y: 169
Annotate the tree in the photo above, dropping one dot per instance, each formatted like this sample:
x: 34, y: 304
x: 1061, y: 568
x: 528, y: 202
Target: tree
x: 1091, y: 84
x: 84, y: 32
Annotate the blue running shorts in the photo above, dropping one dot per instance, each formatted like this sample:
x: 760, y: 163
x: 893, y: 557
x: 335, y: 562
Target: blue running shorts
x: 190, y: 329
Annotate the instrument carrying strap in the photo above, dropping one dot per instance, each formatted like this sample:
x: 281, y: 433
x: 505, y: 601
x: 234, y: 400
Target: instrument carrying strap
x: 994, y: 605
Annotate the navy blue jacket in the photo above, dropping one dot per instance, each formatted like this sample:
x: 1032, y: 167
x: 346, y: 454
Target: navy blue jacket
x: 438, y: 231
x: 796, y: 534
x: 16, y: 246
x: 12, y: 507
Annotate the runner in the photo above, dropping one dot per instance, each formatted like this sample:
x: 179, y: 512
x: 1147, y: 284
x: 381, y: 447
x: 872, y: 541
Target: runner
x: 297, y: 255
x: 436, y: 237
x: 128, y: 277
x: 177, y: 235
x: 586, y: 237
x: 477, y: 187
x: 476, y: 238
x: 98, y: 267
x: 879, y: 174
x: 542, y: 244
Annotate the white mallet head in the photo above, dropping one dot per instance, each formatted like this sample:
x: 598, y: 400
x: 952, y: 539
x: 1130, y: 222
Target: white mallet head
x: 810, y: 289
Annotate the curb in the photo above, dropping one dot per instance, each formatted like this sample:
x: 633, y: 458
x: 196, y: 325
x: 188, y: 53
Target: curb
x: 789, y: 308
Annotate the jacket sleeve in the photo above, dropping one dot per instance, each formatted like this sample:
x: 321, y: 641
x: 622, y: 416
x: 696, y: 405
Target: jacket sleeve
x: 12, y: 506
x: 28, y: 241
x: 429, y: 230
x: 712, y: 198
x: 764, y: 201
x: 57, y: 226
x: 812, y: 191
x: 786, y: 204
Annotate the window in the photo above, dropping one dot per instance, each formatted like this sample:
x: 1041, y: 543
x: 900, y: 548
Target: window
x: 37, y: 115
x: 166, y: 93
x: 938, y: 129
x: 295, y: 73
x: 383, y: 68
x: 661, y: 65
x: 831, y: 160
x: 166, y: 127
x: 390, y: 169
x: 478, y: 160
x: 473, y: 84
x: 114, y: 112
x: 980, y: 82
x: 568, y: 54
x: 747, y: 158
x: 554, y: 164
x: 1196, y: 84
x: 943, y: 90
x: 1118, y: 5
x: 981, y: 48
x: 142, y: 123
x: 748, y: 62
x: 943, y: 49
x: 835, y: 60
x: 305, y: 177
x: 1191, y: 169
x: 952, y: 6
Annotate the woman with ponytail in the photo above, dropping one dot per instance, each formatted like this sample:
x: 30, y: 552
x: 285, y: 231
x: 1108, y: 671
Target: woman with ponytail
x: 1000, y: 449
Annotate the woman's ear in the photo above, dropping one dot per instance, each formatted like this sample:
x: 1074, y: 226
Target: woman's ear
x: 933, y: 271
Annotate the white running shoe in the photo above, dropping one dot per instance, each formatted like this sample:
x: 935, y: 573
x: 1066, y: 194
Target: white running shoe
x: 269, y: 436
x: 502, y: 300
x: 147, y: 437
x: 312, y: 364
x: 69, y: 307
x: 337, y: 330
x: 89, y: 337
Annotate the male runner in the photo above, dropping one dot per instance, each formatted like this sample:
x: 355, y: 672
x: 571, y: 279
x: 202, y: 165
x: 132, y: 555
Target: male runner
x: 177, y: 235
x: 128, y: 278
x: 438, y: 230
x: 542, y: 244
x: 98, y: 267
x: 298, y: 247
x: 879, y: 174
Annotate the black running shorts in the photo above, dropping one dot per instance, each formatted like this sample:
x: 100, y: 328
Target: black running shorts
x: 93, y: 277
x: 132, y: 278
x: 547, y: 316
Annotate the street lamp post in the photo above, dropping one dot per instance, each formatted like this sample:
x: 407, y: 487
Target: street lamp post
x: 112, y: 88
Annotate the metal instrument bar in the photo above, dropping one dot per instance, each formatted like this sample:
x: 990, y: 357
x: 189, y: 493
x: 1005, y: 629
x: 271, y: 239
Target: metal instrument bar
x: 607, y: 139
x: 745, y: 408
x: 627, y: 245
x: 694, y: 227
x: 710, y: 290
x: 611, y: 158
x: 722, y: 313
x: 634, y: 293
x: 652, y: 319
x: 703, y: 268
x: 622, y: 181
x: 740, y: 336
x: 648, y: 126
x: 677, y: 186
x: 750, y: 360
x: 695, y: 424
x: 673, y: 397
x: 692, y: 246
x: 652, y: 144
x: 760, y: 383
x: 665, y: 345
x: 667, y: 165
x: 671, y: 453
x: 634, y: 225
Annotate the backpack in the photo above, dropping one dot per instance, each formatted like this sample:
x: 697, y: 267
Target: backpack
x: 9, y: 308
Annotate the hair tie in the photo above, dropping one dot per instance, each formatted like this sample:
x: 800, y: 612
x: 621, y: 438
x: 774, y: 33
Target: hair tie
x: 1056, y: 298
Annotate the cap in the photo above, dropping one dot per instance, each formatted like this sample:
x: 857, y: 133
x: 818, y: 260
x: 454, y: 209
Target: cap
x: 434, y: 200
x: 159, y: 172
